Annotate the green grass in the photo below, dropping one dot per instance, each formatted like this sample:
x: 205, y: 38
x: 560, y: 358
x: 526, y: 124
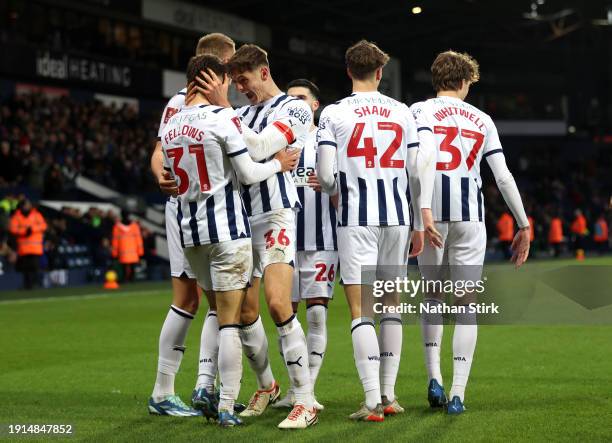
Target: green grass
x: 91, y: 362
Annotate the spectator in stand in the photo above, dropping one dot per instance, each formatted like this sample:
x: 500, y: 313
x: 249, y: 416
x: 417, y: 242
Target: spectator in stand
x: 505, y: 233
x: 28, y: 226
x: 127, y: 245
x: 555, y: 234
x: 579, y: 232
x: 600, y: 235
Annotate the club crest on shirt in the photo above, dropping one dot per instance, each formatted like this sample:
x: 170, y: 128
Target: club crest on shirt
x: 169, y: 113
x: 236, y: 121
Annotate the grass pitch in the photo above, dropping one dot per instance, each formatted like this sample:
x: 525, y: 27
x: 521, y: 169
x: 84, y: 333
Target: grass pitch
x: 88, y: 358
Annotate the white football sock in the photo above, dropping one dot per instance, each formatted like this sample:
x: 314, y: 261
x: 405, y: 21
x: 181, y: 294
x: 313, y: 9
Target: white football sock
x: 296, y: 359
x: 255, y: 347
x: 390, y: 344
x: 171, y: 349
x: 432, y: 327
x: 367, y: 358
x: 316, y: 339
x: 464, y: 344
x: 230, y: 366
x: 280, y: 350
x: 209, y: 352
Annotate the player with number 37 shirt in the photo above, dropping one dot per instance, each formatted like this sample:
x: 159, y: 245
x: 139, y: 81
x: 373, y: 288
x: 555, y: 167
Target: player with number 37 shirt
x: 454, y: 137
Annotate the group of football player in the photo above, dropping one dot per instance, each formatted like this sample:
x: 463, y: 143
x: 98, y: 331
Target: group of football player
x: 260, y: 192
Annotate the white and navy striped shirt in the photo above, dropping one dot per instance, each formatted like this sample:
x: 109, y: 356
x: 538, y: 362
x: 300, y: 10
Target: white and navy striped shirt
x: 278, y: 191
x: 374, y: 135
x: 198, y: 142
x: 316, y: 222
x: 464, y: 135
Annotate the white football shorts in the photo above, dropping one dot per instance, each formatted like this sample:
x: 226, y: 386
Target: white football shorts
x: 314, y: 274
x: 178, y: 262
x: 224, y: 266
x: 273, y: 236
x: 465, y: 244
x: 368, y: 253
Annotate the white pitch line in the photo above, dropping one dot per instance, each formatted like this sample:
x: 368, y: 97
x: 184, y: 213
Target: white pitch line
x: 74, y: 297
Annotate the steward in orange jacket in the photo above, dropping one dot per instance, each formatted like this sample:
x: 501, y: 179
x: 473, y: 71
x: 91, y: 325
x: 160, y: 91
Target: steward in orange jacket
x: 127, y: 244
x: 555, y: 235
x: 600, y: 236
x: 580, y: 231
x: 505, y: 233
x: 28, y: 227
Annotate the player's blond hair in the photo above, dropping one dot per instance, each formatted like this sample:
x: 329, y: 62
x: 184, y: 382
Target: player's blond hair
x: 450, y: 68
x: 363, y: 58
x: 247, y: 58
x: 215, y: 44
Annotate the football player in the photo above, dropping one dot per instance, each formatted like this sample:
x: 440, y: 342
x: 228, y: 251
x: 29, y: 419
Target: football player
x: 185, y: 299
x: 317, y: 252
x: 454, y: 137
x: 373, y: 139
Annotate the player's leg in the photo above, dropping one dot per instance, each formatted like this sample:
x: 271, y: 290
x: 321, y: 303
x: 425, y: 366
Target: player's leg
x: 277, y: 261
x: 252, y: 333
x: 393, y: 250
x: 358, y: 246
x: 230, y: 269
x: 467, y: 245
x: 209, y: 346
x: 317, y: 279
x: 432, y: 265
x: 184, y: 306
x: 289, y: 399
x: 172, y: 347
x: 204, y: 396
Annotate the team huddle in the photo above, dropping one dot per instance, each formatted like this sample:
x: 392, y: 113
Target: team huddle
x: 260, y: 195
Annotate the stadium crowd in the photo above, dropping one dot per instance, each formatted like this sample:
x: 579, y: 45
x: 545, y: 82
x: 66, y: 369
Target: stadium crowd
x: 46, y: 143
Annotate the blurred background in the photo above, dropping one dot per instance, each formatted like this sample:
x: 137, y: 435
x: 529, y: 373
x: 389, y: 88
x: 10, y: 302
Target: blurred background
x: 83, y: 84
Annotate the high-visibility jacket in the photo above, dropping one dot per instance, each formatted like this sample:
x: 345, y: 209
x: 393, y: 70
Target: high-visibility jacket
x: 127, y: 243
x: 505, y: 227
x: 579, y: 225
x: 31, y: 244
x: 555, y: 234
x: 531, y: 229
x: 601, y: 231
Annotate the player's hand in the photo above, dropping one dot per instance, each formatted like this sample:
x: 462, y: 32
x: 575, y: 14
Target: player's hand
x: 416, y: 242
x: 213, y: 87
x: 167, y: 184
x: 434, y: 238
x: 288, y: 158
x: 334, y: 200
x: 313, y: 182
x: 520, y: 247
